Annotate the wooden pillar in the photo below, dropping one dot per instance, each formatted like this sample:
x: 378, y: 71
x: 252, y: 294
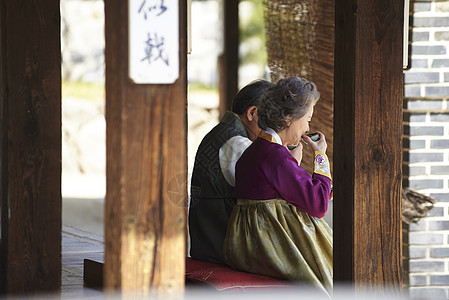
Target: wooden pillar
x: 367, y: 143
x: 146, y: 140
x: 30, y: 146
x: 228, y: 62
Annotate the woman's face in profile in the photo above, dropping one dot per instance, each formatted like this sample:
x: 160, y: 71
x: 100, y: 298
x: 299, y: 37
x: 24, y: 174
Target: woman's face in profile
x: 298, y: 127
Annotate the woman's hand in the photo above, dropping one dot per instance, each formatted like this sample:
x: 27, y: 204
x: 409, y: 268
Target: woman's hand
x: 319, y: 145
x: 297, y: 153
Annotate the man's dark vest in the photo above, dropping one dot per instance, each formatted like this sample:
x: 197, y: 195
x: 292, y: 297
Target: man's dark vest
x: 211, y: 201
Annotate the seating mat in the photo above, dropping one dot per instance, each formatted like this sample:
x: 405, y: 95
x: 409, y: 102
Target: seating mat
x: 222, y: 277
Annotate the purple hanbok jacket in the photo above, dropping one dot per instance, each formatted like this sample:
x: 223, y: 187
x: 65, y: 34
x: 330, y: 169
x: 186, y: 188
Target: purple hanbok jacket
x: 267, y: 170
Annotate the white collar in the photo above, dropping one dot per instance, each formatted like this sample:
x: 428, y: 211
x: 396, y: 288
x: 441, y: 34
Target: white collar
x: 274, y: 134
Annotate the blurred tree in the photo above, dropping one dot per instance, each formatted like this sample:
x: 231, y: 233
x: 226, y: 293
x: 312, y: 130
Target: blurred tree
x: 252, y: 34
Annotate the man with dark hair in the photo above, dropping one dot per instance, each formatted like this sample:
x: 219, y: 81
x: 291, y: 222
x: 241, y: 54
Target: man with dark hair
x: 213, y: 177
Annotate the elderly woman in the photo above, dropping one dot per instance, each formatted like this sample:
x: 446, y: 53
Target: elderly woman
x: 276, y: 227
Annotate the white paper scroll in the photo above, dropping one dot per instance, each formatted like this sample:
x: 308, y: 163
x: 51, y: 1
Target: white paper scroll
x: 153, y: 41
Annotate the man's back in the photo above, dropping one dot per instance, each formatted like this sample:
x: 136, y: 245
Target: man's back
x: 211, y: 200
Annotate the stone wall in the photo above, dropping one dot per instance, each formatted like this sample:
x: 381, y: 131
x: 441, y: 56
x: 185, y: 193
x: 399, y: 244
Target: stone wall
x: 426, y: 147
x: 82, y: 40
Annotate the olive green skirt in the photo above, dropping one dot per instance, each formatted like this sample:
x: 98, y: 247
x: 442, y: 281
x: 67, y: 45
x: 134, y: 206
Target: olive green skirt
x: 274, y: 238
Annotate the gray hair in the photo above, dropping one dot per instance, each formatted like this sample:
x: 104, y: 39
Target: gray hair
x: 289, y: 99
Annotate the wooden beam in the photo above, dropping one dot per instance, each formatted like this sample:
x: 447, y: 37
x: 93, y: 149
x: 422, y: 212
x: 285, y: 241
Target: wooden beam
x: 367, y: 143
x: 30, y: 146
x: 228, y: 62
x: 146, y: 142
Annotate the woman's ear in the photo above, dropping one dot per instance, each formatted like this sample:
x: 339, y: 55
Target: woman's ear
x: 288, y: 122
x: 251, y: 113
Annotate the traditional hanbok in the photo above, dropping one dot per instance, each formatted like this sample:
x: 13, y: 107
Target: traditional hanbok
x: 276, y: 227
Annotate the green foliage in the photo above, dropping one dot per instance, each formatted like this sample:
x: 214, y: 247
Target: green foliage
x: 252, y: 34
x: 200, y: 87
x: 83, y: 90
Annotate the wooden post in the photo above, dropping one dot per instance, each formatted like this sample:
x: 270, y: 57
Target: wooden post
x: 30, y: 146
x: 367, y: 143
x: 146, y: 140
x: 228, y: 62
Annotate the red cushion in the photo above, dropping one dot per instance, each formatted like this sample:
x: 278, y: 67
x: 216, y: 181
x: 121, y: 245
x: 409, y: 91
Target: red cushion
x: 223, y: 277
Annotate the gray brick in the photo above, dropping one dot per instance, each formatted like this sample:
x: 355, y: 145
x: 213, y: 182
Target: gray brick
x: 417, y: 117
x: 417, y: 252
x: 430, y: 22
x: 414, y: 117
x: 426, y: 130
x: 420, y: 226
x: 442, y: 6
x: 437, y: 91
x: 434, y: 117
x: 428, y: 50
x: 419, y: 36
x: 436, y: 212
x: 421, y: 77
x: 439, y: 170
x: 439, y: 280
x: 418, y: 63
x: 442, y: 36
x: 425, y: 238
x: 440, y: 63
x: 425, y: 157
x: 416, y: 171
x: 412, y: 91
x: 417, y: 144
x: 428, y: 293
x: 426, y: 266
x: 439, y: 252
x: 421, y: 6
x: 420, y: 184
x: 424, y: 104
x: 440, y: 197
x: 439, y: 144
x: 439, y: 225
x: 418, y: 280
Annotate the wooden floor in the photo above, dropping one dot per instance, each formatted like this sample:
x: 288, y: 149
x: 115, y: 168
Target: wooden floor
x: 78, y: 245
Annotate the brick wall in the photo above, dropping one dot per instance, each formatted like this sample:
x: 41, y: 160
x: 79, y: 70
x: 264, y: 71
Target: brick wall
x: 426, y: 148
